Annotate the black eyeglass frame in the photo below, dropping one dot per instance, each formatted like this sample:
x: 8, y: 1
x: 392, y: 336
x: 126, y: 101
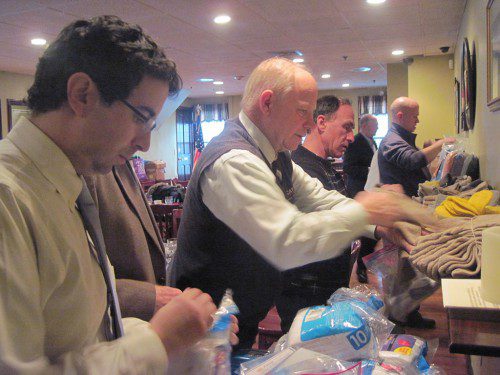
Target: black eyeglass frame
x: 139, y: 114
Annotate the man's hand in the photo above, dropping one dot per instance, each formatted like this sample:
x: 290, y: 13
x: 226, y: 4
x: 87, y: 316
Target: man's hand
x: 234, y: 330
x: 394, y: 236
x: 184, y: 320
x: 383, y: 208
x: 164, y: 295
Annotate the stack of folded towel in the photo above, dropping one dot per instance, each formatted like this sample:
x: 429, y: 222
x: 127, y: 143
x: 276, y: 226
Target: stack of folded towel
x: 453, y: 252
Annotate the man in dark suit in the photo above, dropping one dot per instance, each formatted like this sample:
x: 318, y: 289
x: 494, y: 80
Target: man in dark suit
x: 359, y: 154
x: 357, y: 159
x: 133, y: 242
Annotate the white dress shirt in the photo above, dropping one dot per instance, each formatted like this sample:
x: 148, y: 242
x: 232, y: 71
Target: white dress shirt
x: 241, y: 191
x: 52, y: 291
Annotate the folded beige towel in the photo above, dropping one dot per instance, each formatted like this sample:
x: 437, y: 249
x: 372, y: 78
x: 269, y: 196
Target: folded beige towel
x: 453, y: 252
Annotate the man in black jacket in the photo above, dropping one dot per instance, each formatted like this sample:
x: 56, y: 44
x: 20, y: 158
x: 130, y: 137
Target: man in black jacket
x: 359, y: 154
x: 357, y: 160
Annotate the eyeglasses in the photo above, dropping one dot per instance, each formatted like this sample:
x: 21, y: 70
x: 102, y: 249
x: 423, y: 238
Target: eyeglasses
x: 149, y: 123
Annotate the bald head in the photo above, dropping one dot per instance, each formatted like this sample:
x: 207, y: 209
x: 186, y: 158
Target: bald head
x: 279, y: 99
x: 405, y: 113
x: 276, y: 74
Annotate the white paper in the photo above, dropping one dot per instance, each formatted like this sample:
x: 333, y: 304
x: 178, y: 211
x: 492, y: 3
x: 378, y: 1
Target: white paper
x: 464, y: 293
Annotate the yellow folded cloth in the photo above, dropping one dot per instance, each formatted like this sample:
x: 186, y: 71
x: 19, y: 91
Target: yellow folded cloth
x: 489, y: 210
x: 476, y: 205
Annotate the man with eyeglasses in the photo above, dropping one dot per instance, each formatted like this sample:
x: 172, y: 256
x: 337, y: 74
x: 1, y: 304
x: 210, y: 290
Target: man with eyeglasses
x: 250, y: 211
x: 97, y: 90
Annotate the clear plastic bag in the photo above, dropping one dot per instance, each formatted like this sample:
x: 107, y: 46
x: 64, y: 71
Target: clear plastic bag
x: 347, y: 330
x: 411, y: 353
x: 361, y: 292
x: 212, y: 354
x: 401, y: 284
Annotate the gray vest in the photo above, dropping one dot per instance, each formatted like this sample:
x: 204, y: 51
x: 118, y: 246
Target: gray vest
x: 212, y: 257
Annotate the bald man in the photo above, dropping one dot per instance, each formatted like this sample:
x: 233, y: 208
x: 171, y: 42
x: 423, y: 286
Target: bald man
x: 399, y: 159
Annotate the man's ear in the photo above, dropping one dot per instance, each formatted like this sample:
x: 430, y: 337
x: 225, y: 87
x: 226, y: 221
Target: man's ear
x: 82, y: 93
x: 321, y: 123
x: 399, y: 115
x: 266, y: 100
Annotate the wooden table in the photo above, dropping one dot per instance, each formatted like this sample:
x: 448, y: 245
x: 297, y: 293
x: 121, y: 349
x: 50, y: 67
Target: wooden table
x: 474, y: 337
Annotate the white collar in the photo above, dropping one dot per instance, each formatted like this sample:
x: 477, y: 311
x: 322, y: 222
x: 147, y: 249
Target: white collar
x: 259, y: 137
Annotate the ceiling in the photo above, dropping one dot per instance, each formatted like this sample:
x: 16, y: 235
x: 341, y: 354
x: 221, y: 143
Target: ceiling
x: 335, y: 36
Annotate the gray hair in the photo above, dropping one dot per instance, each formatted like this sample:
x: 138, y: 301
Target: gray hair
x: 276, y: 74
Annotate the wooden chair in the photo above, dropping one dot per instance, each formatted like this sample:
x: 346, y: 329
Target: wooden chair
x: 163, y: 217
x: 176, y: 221
x: 269, y: 329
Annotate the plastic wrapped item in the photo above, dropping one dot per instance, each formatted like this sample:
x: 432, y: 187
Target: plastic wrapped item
x: 212, y: 354
x: 404, y: 349
x: 275, y: 362
x: 402, y: 285
x: 329, y: 366
x: 244, y: 355
x: 138, y: 165
x: 413, y: 354
x: 295, y: 361
x: 347, y: 330
x: 361, y: 292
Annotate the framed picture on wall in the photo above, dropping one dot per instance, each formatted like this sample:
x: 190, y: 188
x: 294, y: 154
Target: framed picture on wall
x: 457, y: 105
x: 468, y: 86
x: 493, y: 51
x: 16, y: 109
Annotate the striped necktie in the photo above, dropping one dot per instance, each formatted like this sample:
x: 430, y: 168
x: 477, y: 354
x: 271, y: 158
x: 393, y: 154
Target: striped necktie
x: 90, y: 217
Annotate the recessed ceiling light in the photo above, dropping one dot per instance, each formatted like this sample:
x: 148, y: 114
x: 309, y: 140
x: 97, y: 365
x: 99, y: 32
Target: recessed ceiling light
x: 218, y: 82
x: 38, y: 42
x: 205, y: 79
x: 325, y: 76
x: 345, y: 85
x: 375, y: 1
x: 219, y: 92
x: 298, y: 60
x: 398, y: 52
x: 223, y: 18
x: 362, y: 69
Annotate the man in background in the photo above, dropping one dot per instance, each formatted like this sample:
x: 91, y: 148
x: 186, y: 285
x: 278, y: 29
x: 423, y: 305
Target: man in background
x: 133, y: 242
x: 356, y: 166
x: 251, y: 212
x: 399, y: 159
x: 401, y: 162
x: 314, y: 283
x: 359, y: 154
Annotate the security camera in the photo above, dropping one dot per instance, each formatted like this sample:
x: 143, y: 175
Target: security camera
x: 444, y: 49
x: 408, y: 60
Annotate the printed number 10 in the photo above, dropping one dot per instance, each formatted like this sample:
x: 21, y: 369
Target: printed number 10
x: 358, y: 339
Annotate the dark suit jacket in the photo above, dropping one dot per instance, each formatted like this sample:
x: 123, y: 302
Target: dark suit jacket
x: 133, y: 242
x: 357, y: 159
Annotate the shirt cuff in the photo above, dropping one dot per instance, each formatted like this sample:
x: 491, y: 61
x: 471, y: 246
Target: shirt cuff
x: 144, y: 345
x: 370, y: 232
